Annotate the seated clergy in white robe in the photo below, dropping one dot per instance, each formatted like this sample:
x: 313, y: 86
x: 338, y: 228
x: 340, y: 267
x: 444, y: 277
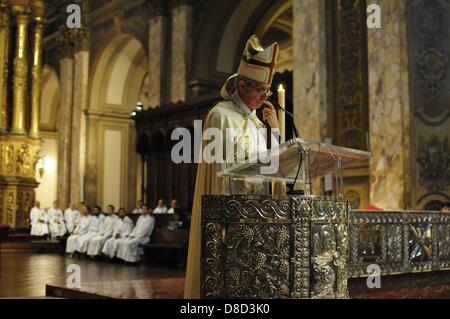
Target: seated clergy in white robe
x: 72, y: 217
x: 128, y: 248
x: 56, y: 221
x: 81, y: 229
x: 38, y: 220
x: 97, y: 219
x: 122, y: 228
x: 138, y: 208
x: 161, y: 208
x: 105, y: 232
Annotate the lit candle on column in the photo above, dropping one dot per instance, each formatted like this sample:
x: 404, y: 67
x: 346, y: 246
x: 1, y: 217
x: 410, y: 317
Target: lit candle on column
x: 281, y: 114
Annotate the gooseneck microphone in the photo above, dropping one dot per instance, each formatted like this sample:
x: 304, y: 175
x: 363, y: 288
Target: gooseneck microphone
x: 278, y: 107
x: 291, y: 190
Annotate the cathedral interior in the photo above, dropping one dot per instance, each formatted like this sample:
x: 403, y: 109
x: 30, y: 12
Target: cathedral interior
x: 90, y: 94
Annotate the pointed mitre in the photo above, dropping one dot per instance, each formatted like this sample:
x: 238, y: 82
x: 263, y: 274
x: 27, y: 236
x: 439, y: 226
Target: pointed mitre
x: 257, y: 64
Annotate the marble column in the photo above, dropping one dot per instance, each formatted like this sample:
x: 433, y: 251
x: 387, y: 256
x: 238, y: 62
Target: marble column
x: 389, y: 114
x: 36, y: 70
x: 64, y: 128
x: 4, y: 47
x: 157, y: 68
x: 310, y: 71
x: 92, y: 167
x: 78, y: 129
x: 181, y: 50
x: 20, y: 69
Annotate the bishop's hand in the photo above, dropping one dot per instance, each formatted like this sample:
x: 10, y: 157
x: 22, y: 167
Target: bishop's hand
x: 270, y: 115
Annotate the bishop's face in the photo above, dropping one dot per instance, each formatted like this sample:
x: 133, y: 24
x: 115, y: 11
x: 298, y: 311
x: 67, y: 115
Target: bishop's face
x: 253, y: 95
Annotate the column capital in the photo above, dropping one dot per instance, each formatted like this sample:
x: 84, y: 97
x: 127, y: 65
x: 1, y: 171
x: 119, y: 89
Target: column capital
x: 157, y: 8
x: 178, y: 3
x: 4, y: 13
x: 72, y: 41
x: 38, y: 9
x: 20, y: 8
x: 3, y: 5
x: 82, y: 37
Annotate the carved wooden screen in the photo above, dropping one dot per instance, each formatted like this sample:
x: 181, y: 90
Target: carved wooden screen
x: 429, y: 74
x: 348, y: 58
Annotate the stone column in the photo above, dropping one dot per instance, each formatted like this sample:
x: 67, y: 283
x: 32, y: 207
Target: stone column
x: 78, y: 129
x: 36, y: 70
x: 389, y: 114
x: 65, y: 121
x: 4, y: 48
x: 310, y: 70
x: 92, y: 158
x: 157, y: 68
x: 181, y: 47
x: 20, y: 69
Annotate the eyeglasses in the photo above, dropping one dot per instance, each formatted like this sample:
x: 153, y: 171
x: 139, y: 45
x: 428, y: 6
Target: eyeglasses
x: 261, y: 91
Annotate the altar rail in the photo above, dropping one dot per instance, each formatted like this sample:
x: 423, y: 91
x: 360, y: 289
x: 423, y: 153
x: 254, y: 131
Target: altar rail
x: 398, y: 242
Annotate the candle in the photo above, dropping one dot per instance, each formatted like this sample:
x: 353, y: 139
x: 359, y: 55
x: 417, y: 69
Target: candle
x: 281, y: 114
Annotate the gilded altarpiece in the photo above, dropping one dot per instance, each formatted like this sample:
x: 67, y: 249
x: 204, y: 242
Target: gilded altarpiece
x: 18, y: 158
x: 21, y: 31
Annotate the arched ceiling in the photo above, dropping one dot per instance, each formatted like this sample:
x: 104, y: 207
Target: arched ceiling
x: 118, y: 74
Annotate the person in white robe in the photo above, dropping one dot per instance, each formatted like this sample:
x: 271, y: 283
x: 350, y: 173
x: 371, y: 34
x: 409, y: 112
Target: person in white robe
x: 56, y: 221
x: 243, y: 93
x: 173, y: 206
x: 128, y: 248
x: 38, y: 220
x: 81, y: 229
x: 72, y: 217
x: 161, y: 208
x: 105, y: 232
x: 138, y: 208
x: 97, y: 219
x: 122, y: 228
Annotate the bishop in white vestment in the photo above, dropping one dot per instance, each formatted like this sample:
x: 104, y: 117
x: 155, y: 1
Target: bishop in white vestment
x: 105, y: 232
x: 56, y: 221
x: 122, y: 228
x: 243, y: 93
x: 38, y: 220
x: 128, y: 248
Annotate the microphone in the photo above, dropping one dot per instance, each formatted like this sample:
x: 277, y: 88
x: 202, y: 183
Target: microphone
x: 290, y: 190
x: 278, y: 107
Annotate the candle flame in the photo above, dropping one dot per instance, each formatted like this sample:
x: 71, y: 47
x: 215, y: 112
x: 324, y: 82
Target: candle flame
x: 281, y: 87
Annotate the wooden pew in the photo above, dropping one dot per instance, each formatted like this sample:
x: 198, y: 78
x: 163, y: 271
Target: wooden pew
x: 161, y: 220
x: 168, y: 244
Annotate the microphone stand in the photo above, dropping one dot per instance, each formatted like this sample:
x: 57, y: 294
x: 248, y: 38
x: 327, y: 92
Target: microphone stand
x: 290, y: 187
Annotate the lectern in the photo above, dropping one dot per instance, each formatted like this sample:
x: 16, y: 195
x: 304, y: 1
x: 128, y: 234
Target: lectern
x: 256, y: 246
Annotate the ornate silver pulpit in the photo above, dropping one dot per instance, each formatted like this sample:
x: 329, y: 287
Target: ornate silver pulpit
x: 257, y: 246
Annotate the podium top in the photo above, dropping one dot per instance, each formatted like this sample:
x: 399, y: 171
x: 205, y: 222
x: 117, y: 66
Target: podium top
x: 318, y: 158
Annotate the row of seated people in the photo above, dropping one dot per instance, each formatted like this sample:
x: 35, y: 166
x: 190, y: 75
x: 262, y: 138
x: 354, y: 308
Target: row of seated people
x: 112, y: 236
x: 54, y: 223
